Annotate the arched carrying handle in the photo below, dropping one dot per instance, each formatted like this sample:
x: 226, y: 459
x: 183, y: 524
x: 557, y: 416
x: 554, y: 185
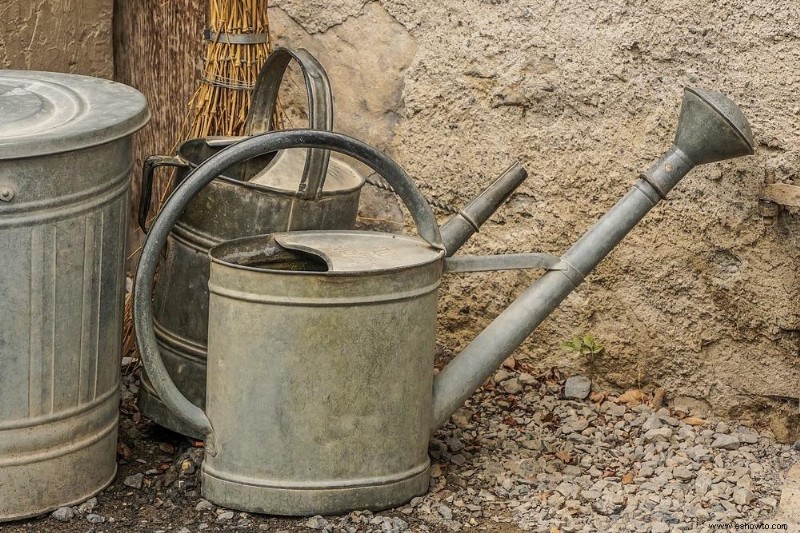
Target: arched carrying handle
x: 202, y: 176
x: 320, y: 109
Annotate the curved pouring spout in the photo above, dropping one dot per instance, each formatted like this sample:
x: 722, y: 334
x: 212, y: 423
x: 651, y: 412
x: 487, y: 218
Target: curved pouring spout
x: 461, y: 226
x: 711, y: 128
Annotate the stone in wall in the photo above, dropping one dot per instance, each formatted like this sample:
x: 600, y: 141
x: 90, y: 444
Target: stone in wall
x: 365, y: 53
x: 317, y: 16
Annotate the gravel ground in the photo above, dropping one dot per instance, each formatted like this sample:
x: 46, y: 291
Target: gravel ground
x: 520, y: 456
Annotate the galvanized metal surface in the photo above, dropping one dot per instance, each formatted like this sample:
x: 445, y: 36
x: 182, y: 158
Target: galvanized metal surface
x: 291, y: 190
x: 41, y: 113
x: 339, y: 416
x: 320, y: 114
x: 317, y: 403
x: 488, y: 263
x: 359, y: 251
x: 62, y: 268
x: 468, y: 221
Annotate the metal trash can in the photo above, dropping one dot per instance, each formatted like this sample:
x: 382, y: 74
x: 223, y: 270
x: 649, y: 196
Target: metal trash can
x: 65, y: 168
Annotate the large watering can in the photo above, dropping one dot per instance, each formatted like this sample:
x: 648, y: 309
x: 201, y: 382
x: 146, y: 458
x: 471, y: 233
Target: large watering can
x: 322, y: 398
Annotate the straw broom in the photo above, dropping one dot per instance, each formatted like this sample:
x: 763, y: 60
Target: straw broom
x: 237, y: 45
x: 220, y: 105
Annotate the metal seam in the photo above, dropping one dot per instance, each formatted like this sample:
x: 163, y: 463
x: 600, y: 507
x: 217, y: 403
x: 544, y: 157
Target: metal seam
x: 171, y: 341
x: 66, y: 210
x: 62, y: 415
x: 316, y: 484
x: 54, y: 453
x: 463, y: 214
x: 653, y: 184
x: 648, y: 192
x: 572, y: 273
x: 295, y: 301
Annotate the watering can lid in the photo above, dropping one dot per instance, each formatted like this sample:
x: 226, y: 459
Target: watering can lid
x: 46, y: 112
x: 285, y: 171
x: 361, y: 251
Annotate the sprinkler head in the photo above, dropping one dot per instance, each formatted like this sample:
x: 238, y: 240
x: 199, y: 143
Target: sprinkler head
x: 712, y: 128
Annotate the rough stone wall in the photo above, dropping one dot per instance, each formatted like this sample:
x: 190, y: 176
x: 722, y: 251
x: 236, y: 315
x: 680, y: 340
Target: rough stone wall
x: 702, y: 297
x: 57, y: 35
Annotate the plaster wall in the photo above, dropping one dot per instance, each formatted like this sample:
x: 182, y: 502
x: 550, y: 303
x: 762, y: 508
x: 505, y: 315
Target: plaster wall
x: 703, y: 297
x: 57, y: 35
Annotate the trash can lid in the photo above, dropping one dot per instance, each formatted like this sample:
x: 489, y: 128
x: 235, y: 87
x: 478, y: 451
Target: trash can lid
x: 46, y: 112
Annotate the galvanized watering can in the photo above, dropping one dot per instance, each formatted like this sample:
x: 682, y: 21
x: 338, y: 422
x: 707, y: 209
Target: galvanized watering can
x: 321, y: 397
x: 293, y: 189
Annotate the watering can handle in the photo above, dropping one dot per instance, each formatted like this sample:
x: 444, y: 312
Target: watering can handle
x: 320, y: 110
x: 194, y: 183
x: 149, y: 167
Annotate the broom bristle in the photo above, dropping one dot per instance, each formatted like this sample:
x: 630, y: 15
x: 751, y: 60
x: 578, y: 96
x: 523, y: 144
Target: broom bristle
x: 220, y: 105
x: 222, y: 100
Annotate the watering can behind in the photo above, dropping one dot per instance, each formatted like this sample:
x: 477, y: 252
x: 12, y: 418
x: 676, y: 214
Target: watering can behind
x: 292, y: 189
x: 322, y: 399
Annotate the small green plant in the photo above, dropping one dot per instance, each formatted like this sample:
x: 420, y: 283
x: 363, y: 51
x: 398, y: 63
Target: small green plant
x: 587, y: 346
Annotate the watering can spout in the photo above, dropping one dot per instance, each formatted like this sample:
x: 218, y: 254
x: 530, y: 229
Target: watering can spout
x: 711, y: 128
x: 461, y: 226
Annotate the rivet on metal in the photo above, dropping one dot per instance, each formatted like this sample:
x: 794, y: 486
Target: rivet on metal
x: 6, y: 194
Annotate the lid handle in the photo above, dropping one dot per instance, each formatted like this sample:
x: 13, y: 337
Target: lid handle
x: 320, y: 110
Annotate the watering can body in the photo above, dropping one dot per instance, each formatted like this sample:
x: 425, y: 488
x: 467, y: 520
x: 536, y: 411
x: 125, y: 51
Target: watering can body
x: 292, y: 189
x: 331, y: 371
x: 321, y: 398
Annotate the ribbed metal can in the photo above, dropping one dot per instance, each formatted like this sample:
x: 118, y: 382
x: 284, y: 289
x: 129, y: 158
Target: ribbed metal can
x: 320, y: 353
x: 65, y: 168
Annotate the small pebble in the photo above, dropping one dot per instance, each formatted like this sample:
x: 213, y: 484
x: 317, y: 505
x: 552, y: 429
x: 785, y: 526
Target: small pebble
x: 726, y: 442
x: 204, y: 505
x: 445, y: 512
x: 134, y: 481
x: 577, y: 388
x: 87, y: 506
x: 501, y: 375
x: 512, y: 386
x: 63, y: 514
x: 662, y: 434
x: 742, y: 496
x: 316, y: 522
